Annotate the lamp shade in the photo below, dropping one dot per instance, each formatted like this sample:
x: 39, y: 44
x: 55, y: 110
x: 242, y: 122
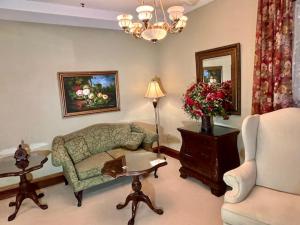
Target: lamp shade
x: 154, y: 90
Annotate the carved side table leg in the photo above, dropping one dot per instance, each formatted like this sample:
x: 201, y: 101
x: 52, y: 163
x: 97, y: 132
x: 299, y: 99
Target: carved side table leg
x: 19, y: 199
x: 26, y: 190
x: 35, y: 199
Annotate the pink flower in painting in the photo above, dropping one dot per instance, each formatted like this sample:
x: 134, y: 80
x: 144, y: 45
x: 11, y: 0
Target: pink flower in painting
x: 79, y: 93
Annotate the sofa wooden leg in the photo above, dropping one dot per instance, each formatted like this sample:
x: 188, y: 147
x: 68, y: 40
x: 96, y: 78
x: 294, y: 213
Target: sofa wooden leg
x: 66, y: 181
x: 155, y: 173
x: 78, y: 196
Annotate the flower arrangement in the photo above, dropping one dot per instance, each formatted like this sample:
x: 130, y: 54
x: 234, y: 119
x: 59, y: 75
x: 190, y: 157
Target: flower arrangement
x: 208, y: 99
x: 92, y: 95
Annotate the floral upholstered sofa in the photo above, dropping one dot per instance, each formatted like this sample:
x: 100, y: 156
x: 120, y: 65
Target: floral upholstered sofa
x: 83, y: 153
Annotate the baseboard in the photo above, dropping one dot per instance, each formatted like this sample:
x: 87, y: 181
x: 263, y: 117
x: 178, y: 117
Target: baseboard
x: 42, y: 182
x: 168, y: 151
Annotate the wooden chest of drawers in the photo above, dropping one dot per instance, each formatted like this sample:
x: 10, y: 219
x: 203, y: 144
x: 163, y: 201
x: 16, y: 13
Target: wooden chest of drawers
x: 207, y: 156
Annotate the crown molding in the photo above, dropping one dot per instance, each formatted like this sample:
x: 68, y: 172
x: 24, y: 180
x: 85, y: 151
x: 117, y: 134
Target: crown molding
x: 49, y: 13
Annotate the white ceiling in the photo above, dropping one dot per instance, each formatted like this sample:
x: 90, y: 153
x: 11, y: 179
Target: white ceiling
x: 96, y: 13
x: 117, y: 5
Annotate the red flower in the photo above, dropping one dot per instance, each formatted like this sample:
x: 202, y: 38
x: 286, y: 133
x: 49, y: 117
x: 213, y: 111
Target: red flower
x: 207, y: 99
x: 198, y: 112
x: 189, y: 101
x: 211, y: 97
x: 220, y: 94
x: 76, y: 88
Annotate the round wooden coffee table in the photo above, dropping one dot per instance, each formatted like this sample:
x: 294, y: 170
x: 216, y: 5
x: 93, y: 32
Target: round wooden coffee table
x: 9, y: 167
x: 135, y: 165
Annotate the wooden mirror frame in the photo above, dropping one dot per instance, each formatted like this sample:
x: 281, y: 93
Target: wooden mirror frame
x: 234, y: 51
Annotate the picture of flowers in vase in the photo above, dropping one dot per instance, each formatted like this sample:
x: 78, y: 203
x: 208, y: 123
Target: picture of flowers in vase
x: 89, y: 92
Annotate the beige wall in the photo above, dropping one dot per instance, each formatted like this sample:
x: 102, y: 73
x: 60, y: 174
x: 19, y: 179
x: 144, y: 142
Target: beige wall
x: 31, y: 56
x: 219, y: 23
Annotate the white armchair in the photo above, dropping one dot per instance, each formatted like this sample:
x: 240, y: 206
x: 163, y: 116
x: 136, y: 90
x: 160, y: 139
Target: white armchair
x: 266, y: 187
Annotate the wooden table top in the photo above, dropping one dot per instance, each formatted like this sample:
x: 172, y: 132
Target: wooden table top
x: 9, y: 167
x: 133, y: 164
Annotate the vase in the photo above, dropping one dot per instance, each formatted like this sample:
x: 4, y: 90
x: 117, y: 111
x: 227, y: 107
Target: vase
x: 207, y: 123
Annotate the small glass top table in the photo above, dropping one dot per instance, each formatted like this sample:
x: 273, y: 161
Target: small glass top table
x: 9, y: 167
x: 135, y: 165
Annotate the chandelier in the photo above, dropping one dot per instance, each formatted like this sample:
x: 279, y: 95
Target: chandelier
x: 150, y: 27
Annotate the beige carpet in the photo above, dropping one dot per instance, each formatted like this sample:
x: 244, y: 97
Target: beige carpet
x: 185, y: 202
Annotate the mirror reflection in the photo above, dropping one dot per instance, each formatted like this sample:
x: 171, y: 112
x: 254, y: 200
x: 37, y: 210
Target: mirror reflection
x: 217, y: 70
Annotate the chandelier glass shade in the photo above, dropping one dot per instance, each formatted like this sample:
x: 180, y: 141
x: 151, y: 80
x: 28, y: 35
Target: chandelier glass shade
x: 149, y: 26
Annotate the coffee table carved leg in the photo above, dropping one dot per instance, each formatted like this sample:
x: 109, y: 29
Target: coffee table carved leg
x: 136, y: 197
x: 133, y: 209
x: 128, y: 199
x: 147, y: 200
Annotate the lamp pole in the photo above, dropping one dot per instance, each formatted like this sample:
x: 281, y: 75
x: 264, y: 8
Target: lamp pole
x: 155, y: 103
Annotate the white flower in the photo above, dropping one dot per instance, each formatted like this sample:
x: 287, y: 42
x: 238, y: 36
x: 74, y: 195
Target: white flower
x: 86, y: 91
x: 79, y: 93
x: 99, y: 95
x: 105, y: 97
x: 91, y: 96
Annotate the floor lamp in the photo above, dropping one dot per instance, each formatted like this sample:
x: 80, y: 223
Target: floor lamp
x: 155, y: 92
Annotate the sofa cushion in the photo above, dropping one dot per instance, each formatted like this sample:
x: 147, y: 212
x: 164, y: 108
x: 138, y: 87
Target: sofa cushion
x: 115, y: 153
x: 104, y: 137
x: 133, y: 140
x: 264, y: 206
x: 92, y: 166
x: 149, y: 136
x: 77, y: 149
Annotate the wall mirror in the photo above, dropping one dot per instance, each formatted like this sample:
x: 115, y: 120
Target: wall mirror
x: 222, y: 64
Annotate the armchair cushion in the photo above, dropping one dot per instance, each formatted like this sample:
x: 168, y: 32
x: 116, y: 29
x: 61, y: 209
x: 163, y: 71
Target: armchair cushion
x: 92, y: 166
x: 77, y: 149
x: 264, y: 206
x: 278, y: 150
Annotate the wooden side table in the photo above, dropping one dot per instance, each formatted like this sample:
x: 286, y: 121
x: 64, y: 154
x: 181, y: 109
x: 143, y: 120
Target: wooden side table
x: 9, y: 167
x: 207, y: 156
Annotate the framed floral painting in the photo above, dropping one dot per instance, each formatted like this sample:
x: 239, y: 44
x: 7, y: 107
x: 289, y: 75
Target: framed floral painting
x: 88, y: 92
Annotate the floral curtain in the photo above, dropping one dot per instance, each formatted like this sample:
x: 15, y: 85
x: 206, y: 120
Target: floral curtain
x: 296, y: 59
x: 272, y: 82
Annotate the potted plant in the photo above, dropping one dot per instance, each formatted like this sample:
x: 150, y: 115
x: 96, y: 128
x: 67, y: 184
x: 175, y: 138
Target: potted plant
x: 206, y: 100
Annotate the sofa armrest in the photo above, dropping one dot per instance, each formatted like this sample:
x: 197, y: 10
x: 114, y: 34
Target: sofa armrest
x: 150, y: 136
x: 242, y: 180
x: 59, y: 153
x: 60, y: 157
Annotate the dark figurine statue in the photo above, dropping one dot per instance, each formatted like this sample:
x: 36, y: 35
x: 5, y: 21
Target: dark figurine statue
x: 21, y: 154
